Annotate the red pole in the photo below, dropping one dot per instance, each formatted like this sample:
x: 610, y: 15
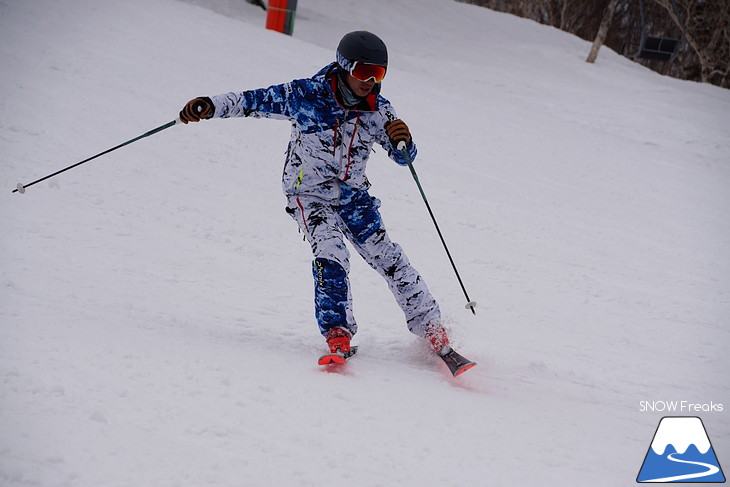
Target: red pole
x: 276, y: 15
x: 280, y: 15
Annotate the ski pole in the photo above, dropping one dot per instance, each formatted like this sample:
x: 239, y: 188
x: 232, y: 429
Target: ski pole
x: 402, y: 147
x: 21, y: 187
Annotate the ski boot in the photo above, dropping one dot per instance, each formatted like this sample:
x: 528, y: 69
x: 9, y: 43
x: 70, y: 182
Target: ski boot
x: 439, y: 340
x: 338, y: 341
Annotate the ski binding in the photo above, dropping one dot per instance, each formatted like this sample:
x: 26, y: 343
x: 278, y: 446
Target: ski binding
x: 456, y: 363
x: 337, y: 357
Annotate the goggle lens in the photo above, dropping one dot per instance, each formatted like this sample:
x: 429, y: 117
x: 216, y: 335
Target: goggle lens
x: 364, y: 72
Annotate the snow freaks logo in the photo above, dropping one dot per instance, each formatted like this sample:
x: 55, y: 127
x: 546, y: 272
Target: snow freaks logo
x: 681, y: 452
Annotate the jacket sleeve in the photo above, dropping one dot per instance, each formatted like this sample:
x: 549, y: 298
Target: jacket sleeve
x: 278, y: 101
x: 388, y: 114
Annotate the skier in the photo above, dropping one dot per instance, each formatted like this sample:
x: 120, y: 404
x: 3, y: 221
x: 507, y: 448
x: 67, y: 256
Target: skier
x: 337, y: 115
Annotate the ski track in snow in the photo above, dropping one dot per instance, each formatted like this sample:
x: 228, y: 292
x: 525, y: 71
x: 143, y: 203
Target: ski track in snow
x: 156, y: 321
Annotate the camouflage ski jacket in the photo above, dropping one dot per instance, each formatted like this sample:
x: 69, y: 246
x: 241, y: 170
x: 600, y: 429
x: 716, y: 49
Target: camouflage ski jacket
x: 329, y: 143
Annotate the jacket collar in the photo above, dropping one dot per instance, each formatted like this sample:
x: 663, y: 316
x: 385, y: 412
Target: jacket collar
x: 367, y: 104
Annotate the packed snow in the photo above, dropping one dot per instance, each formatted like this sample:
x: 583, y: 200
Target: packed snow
x: 156, y: 315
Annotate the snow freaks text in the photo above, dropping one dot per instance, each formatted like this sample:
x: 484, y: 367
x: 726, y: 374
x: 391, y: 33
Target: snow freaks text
x: 679, y: 407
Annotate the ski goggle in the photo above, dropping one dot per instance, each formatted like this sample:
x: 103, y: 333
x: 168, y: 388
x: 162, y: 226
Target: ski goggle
x: 364, y: 72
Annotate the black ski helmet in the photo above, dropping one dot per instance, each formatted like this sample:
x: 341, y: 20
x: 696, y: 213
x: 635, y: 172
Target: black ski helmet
x: 361, y: 46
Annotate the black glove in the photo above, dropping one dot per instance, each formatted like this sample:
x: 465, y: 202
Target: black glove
x: 197, y: 109
x: 397, y: 131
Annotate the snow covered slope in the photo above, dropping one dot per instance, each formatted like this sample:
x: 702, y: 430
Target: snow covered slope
x: 156, y: 322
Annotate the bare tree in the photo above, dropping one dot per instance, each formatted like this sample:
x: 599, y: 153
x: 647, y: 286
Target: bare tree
x: 705, y: 27
x: 602, y: 30
x: 703, y: 24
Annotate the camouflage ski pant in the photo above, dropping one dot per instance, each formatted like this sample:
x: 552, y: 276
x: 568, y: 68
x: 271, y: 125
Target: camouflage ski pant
x: 357, y: 218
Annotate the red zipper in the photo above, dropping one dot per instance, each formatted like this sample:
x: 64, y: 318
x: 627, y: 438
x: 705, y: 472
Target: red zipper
x: 304, y: 218
x: 349, y: 148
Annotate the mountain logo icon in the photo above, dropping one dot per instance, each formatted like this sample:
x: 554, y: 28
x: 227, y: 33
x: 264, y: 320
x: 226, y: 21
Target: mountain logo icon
x: 680, y: 452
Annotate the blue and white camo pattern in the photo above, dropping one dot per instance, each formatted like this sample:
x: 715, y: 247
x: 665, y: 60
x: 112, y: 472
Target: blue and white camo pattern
x: 357, y: 218
x: 324, y: 180
x: 328, y: 143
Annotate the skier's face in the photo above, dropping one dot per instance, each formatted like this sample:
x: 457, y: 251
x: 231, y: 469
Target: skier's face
x: 360, y: 88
